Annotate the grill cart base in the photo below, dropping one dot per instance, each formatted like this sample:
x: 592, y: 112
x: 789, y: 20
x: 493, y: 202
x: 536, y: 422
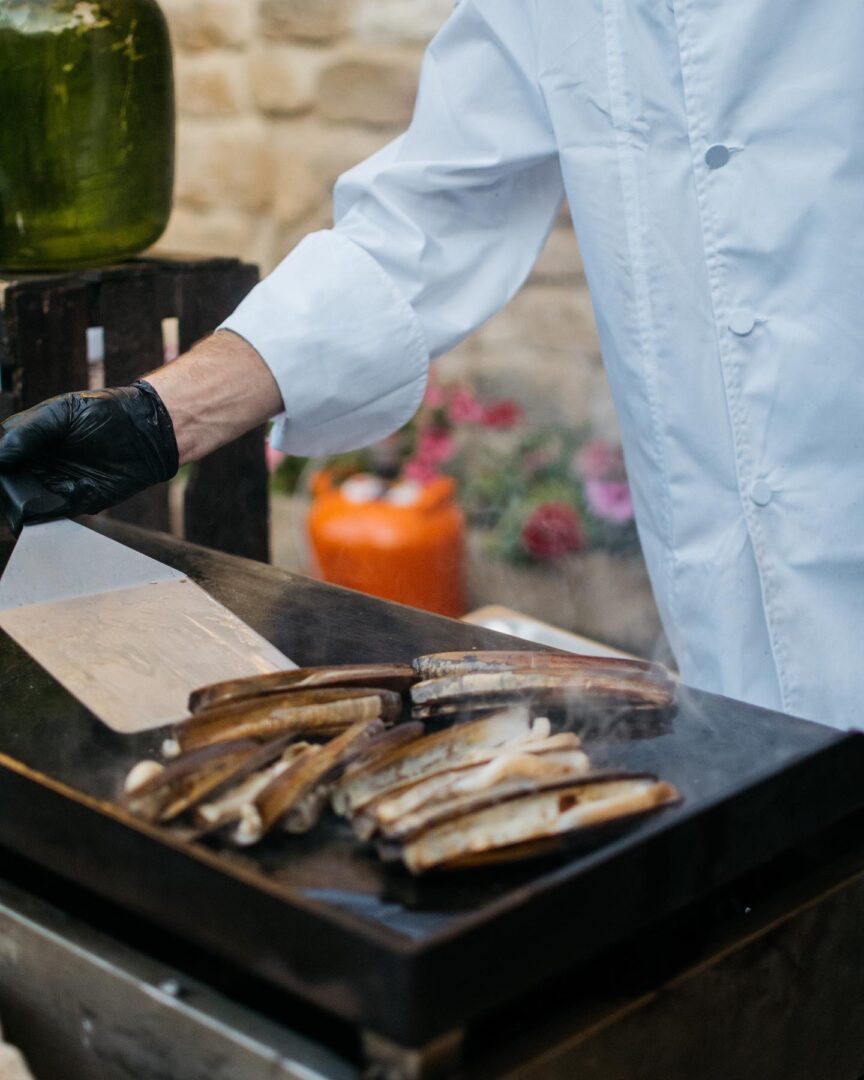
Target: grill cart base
x: 756, y: 992
x: 721, y: 938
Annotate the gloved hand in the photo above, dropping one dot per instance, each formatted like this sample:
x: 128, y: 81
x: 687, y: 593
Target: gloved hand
x: 95, y: 448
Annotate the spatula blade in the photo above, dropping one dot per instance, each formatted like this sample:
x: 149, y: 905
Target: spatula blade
x: 129, y: 637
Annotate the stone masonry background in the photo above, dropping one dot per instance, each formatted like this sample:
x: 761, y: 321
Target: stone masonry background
x: 276, y: 98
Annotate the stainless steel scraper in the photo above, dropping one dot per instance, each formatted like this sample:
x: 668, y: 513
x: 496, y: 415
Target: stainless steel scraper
x: 128, y: 636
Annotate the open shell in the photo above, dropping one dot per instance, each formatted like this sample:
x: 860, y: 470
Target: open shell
x: 500, y: 822
x: 322, y: 712
x: 396, y: 677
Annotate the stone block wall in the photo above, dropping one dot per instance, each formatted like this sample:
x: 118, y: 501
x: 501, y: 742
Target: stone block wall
x: 276, y: 98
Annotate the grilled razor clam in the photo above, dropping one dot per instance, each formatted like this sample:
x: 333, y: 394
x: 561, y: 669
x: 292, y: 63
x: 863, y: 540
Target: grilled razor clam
x: 538, y: 741
x: 488, y: 689
x: 432, y: 753
x: 397, y: 677
x: 320, y: 712
x: 521, y: 763
x: 228, y: 809
x: 308, y: 810
x: 560, y: 809
x: 440, y: 665
x: 140, y: 775
x: 154, y: 797
x: 525, y: 778
x: 379, y: 745
x: 288, y: 791
x: 364, y: 819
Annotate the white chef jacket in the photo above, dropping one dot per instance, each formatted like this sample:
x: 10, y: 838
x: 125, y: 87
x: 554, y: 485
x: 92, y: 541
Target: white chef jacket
x: 713, y: 156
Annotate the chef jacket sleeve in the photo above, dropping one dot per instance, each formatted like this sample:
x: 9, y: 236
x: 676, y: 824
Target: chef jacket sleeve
x: 432, y: 235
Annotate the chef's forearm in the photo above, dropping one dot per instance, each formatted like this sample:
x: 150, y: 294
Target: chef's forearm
x: 216, y: 392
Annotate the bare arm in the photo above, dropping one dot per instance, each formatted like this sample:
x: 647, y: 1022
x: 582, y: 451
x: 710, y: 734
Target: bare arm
x: 216, y: 392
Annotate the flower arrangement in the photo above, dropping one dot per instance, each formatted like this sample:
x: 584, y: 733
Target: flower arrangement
x: 538, y: 495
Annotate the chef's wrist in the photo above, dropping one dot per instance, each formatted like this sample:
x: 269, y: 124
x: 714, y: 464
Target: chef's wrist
x: 216, y: 392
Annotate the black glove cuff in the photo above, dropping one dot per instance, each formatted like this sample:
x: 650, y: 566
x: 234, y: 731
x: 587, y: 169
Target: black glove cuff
x: 160, y: 429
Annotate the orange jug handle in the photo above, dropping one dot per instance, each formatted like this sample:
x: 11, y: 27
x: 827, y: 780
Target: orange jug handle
x: 321, y: 482
x: 436, y: 493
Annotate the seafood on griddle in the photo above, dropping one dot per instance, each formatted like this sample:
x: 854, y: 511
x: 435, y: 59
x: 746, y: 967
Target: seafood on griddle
x: 590, y: 689
x: 497, y: 783
x: 229, y: 808
x: 297, y: 797
x: 162, y: 793
x: 325, y: 711
x: 397, y: 677
x: 524, y: 823
x: 441, y: 665
x: 518, y: 766
x: 433, y: 753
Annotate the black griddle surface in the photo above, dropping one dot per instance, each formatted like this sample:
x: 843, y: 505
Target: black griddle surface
x: 319, y: 915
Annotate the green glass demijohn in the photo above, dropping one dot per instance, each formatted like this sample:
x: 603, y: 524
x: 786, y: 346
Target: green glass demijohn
x: 86, y: 131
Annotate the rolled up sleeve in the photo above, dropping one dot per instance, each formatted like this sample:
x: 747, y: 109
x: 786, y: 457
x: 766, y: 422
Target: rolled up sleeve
x: 432, y: 236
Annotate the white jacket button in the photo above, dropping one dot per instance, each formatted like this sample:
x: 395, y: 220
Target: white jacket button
x: 761, y: 493
x: 716, y: 156
x: 741, y: 322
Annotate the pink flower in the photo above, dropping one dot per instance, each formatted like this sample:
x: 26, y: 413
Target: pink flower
x: 501, y: 415
x: 273, y: 457
x: 610, y: 500
x: 465, y: 408
x: 435, y: 396
x: 435, y: 445
x: 420, y: 470
x: 553, y: 530
x: 600, y: 460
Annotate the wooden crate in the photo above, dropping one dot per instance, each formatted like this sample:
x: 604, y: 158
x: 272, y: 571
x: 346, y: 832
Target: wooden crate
x: 43, y: 351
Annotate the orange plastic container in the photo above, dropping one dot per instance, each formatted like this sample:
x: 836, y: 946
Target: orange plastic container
x: 414, y: 553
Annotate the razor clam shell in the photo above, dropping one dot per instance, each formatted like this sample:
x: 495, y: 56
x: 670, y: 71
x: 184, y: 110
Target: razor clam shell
x: 378, y: 745
x: 228, y: 809
x: 322, y: 712
x: 140, y: 775
x: 427, y: 818
x: 179, y: 769
x: 416, y: 807
x: 415, y: 792
x: 302, y: 817
x: 364, y: 821
x: 440, y: 665
x: 288, y: 791
x: 591, y: 801
x: 362, y: 813
x: 431, y: 753
x: 437, y: 697
x: 396, y: 677
x: 259, y: 756
x: 181, y: 780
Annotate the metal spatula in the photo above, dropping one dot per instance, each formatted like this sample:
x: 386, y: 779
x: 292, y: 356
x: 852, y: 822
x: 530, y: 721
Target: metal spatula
x: 128, y: 636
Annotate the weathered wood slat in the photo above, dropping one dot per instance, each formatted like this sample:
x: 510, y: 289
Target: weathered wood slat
x: 124, y: 305
x: 47, y: 333
x: 227, y: 503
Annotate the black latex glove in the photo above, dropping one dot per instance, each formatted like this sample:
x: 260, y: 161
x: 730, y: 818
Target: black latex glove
x: 94, y: 448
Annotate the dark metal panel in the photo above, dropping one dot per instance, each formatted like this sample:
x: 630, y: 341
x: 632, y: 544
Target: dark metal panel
x: 319, y: 915
x: 82, y: 1005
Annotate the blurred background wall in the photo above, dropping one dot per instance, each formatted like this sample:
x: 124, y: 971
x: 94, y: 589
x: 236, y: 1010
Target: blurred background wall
x: 277, y: 97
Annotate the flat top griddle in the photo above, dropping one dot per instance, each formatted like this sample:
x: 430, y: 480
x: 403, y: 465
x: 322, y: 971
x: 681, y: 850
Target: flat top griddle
x: 319, y: 915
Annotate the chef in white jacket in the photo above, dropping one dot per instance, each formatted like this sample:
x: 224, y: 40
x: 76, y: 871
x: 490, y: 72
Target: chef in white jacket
x: 712, y: 153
